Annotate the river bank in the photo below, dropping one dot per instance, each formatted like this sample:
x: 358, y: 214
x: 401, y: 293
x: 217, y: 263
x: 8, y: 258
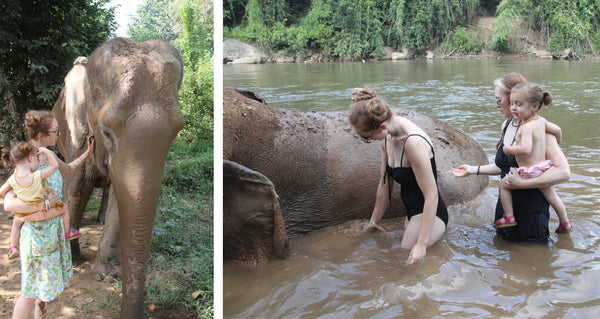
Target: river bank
x: 527, y: 42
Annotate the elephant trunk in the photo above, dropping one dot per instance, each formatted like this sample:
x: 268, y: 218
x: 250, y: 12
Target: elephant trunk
x: 137, y: 193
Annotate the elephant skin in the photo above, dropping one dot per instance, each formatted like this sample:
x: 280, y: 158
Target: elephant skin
x: 126, y: 97
x: 256, y: 233
x: 322, y: 172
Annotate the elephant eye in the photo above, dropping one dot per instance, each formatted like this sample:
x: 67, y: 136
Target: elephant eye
x: 108, y: 137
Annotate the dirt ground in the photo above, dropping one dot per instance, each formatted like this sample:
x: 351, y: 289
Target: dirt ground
x: 84, y: 297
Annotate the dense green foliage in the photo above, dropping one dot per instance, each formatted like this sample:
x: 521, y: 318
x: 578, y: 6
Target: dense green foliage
x: 347, y: 28
x: 359, y: 29
x: 39, y: 40
x: 560, y: 24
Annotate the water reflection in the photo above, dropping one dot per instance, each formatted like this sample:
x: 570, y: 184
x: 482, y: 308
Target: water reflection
x: 340, y: 272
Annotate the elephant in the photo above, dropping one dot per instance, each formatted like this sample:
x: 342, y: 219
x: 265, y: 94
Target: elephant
x: 322, y: 173
x: 125, y: 95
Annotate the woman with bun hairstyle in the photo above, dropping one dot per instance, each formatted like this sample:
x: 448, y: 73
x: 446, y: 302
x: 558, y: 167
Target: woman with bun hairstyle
x: 46, y: 225
x: 407, y: 157
x: 43, y: 131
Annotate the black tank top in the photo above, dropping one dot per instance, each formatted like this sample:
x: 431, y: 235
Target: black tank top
x: 411, y: 194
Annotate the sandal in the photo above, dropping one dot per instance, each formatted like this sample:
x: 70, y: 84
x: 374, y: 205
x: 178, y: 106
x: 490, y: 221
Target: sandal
x: 506, y: 221
x: 72, y: 234
x: 562, y: 228
x: 13, y: 252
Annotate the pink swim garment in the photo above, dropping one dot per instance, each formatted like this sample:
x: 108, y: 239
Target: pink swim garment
x: 535, y: 170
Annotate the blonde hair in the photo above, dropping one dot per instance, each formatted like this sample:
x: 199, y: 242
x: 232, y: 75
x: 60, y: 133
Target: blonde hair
x: 507, y: 82
x: 367, y: 110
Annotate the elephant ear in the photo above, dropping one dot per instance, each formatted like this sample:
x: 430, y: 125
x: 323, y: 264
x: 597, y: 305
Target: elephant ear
x: 74, y: 103
x: 253, y: 227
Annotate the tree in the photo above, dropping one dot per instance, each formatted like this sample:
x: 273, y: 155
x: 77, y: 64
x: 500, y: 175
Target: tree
x: 233, y: 12
x: 155, y: 20
x: 39, y: 40
x: 195, y: 40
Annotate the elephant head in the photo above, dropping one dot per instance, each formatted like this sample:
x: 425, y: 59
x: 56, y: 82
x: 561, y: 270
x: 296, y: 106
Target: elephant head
x: 130, y: 105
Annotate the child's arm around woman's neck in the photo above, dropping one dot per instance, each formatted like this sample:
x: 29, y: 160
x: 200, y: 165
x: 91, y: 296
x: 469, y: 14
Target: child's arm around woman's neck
x: 52, y: 162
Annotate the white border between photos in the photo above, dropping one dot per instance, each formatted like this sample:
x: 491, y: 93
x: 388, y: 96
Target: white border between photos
x: 218, y: 159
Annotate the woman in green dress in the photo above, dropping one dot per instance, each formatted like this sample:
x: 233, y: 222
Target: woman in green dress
x: 45, y: 254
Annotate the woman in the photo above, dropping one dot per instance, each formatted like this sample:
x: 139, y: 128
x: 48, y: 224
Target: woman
x: 529, y: 205
x: 407, y: 156
x: 44, y: 133
x: 45, y: 254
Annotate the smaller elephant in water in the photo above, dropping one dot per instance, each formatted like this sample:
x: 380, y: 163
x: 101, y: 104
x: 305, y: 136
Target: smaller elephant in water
x: 125, y: 95
x: 322, y: 173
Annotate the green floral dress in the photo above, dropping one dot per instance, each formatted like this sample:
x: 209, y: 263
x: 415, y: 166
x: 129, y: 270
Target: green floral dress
x: 45, y: 254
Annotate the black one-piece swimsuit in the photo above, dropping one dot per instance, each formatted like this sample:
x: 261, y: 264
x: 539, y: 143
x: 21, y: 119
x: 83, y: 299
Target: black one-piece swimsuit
x: 411, y: 194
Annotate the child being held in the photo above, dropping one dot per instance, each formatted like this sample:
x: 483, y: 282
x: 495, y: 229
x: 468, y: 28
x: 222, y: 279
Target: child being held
x: 29, y: 183
x: 530, y: 151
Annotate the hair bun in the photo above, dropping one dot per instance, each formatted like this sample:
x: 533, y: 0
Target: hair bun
x: 359, y: 94
x: 32, y: 119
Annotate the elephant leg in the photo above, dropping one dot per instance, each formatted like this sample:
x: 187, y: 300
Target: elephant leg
x: 108, y: 259
x: 103, y: 206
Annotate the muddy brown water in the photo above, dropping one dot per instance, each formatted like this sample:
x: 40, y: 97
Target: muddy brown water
x: 341, y: 272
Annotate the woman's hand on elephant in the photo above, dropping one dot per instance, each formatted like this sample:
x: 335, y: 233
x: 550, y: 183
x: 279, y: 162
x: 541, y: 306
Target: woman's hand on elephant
x: 416, y: 253
x: 91, y: 143
x: 461, y: 171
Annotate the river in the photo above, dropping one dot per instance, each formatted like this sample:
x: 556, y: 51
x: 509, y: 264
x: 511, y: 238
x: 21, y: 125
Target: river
x: 338, y: 273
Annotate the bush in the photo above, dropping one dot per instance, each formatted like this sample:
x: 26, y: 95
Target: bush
x: 196, y: 103
x: 461, y: 41
x: 189, y: 172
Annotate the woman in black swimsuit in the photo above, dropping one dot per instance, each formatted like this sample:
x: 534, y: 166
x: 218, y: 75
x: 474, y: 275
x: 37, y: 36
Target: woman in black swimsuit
x: 529, y: 205
x: 407, y: 158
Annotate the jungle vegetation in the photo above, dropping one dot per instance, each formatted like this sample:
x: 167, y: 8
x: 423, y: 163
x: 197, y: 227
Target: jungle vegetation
x: 39, y: 40
x: 359, y: 29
